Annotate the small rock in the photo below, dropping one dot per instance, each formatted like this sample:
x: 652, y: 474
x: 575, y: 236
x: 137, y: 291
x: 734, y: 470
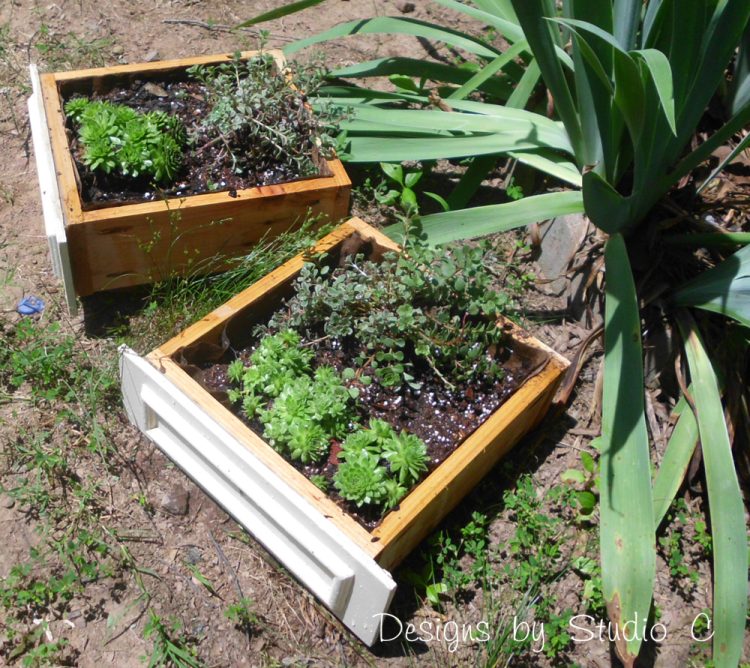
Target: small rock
x: 6, y: 501
x: 193, y: 555
x: 175, y: 500
x: 155, y: 89
x: 117, y: 50
x: 561, y: 238
x: 152, y: 56
x: 405, y: 7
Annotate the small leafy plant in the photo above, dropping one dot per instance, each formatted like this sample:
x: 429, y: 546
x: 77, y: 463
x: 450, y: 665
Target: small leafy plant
x: 426, y: 308
x: 259, y: 117
x: 242, y: 614
x: 120, y: 140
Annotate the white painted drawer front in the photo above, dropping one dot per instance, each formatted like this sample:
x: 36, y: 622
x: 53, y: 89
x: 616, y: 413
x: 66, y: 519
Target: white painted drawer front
x: 54, y: 222
x: 346, y: 579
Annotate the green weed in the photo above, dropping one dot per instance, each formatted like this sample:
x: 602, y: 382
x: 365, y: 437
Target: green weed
x: 242, y: 615
x: 68, y: 51
x: 170, y: 646
x: 514, y: 578
x: 587, y: 481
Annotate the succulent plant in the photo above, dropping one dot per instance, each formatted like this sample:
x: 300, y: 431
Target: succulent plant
x: 361, y: 479
x: 402, y: 456
x: 116, y: 138
x: 394, y: 492
x: 407, y: 456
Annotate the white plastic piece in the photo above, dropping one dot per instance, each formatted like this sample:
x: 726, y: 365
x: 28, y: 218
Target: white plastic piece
x: 344, y: 577
x: 54, y: 222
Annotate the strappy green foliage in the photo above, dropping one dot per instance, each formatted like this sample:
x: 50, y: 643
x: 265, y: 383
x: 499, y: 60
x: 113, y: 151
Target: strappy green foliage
x: 630, y: 82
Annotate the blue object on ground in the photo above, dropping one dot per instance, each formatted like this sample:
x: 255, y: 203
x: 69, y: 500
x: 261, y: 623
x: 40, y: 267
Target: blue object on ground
x: 30, y: 305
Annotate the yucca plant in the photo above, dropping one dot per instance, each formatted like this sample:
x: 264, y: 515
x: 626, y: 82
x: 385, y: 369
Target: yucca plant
x: 630, y: 81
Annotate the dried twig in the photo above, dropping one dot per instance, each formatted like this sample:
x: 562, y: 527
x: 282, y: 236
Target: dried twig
x: 225, y: 561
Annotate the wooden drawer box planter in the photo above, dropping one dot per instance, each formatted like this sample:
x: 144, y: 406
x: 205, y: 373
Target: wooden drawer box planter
x: 343, y: 564
x: 130, y: 244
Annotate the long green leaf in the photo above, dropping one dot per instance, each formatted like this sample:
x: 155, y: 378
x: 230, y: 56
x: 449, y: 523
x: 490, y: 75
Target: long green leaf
x: 525, y: 87
x: 628, y: 86
x: 650, y: 21
x: 488, y: 71
x: 536, y: 129
x: 593, y: 91
x: 740, y: 94
x: 607, y: 208
x: 723, y: 289
x: 470, y: 181
x: 507, y: 27
x: 398, y: 26
x: 719, y: 42
x: 660, y: 73
x: 550, y: 163
x: 502, y: 8
x: 374, y: 148
x: 726, y: 507
x: 279, y: 12
x: 627, y: 514
x: 627, y: 17
x: 441, y: 228
x: 505, y: 21
x: 674, y: 464
x: 413, y: 67
x: 543, y: 41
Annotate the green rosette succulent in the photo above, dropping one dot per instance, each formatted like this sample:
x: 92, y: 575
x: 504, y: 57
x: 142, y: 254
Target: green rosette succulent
x: 361, y: 479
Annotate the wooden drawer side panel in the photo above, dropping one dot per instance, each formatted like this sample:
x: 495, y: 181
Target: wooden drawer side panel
x: 127, y: 251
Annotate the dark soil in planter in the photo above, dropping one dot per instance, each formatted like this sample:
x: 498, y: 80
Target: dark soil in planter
x: 206, y: 166
x: 441, y: 417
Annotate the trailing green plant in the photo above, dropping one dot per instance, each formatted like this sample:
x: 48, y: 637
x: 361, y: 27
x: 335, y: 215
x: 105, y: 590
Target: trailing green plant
x: 118, y: 139
x: 423, y: 307
x: 262, y: 120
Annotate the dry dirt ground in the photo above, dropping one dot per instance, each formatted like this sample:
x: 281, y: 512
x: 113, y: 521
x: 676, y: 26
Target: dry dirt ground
x: 173, y: 554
